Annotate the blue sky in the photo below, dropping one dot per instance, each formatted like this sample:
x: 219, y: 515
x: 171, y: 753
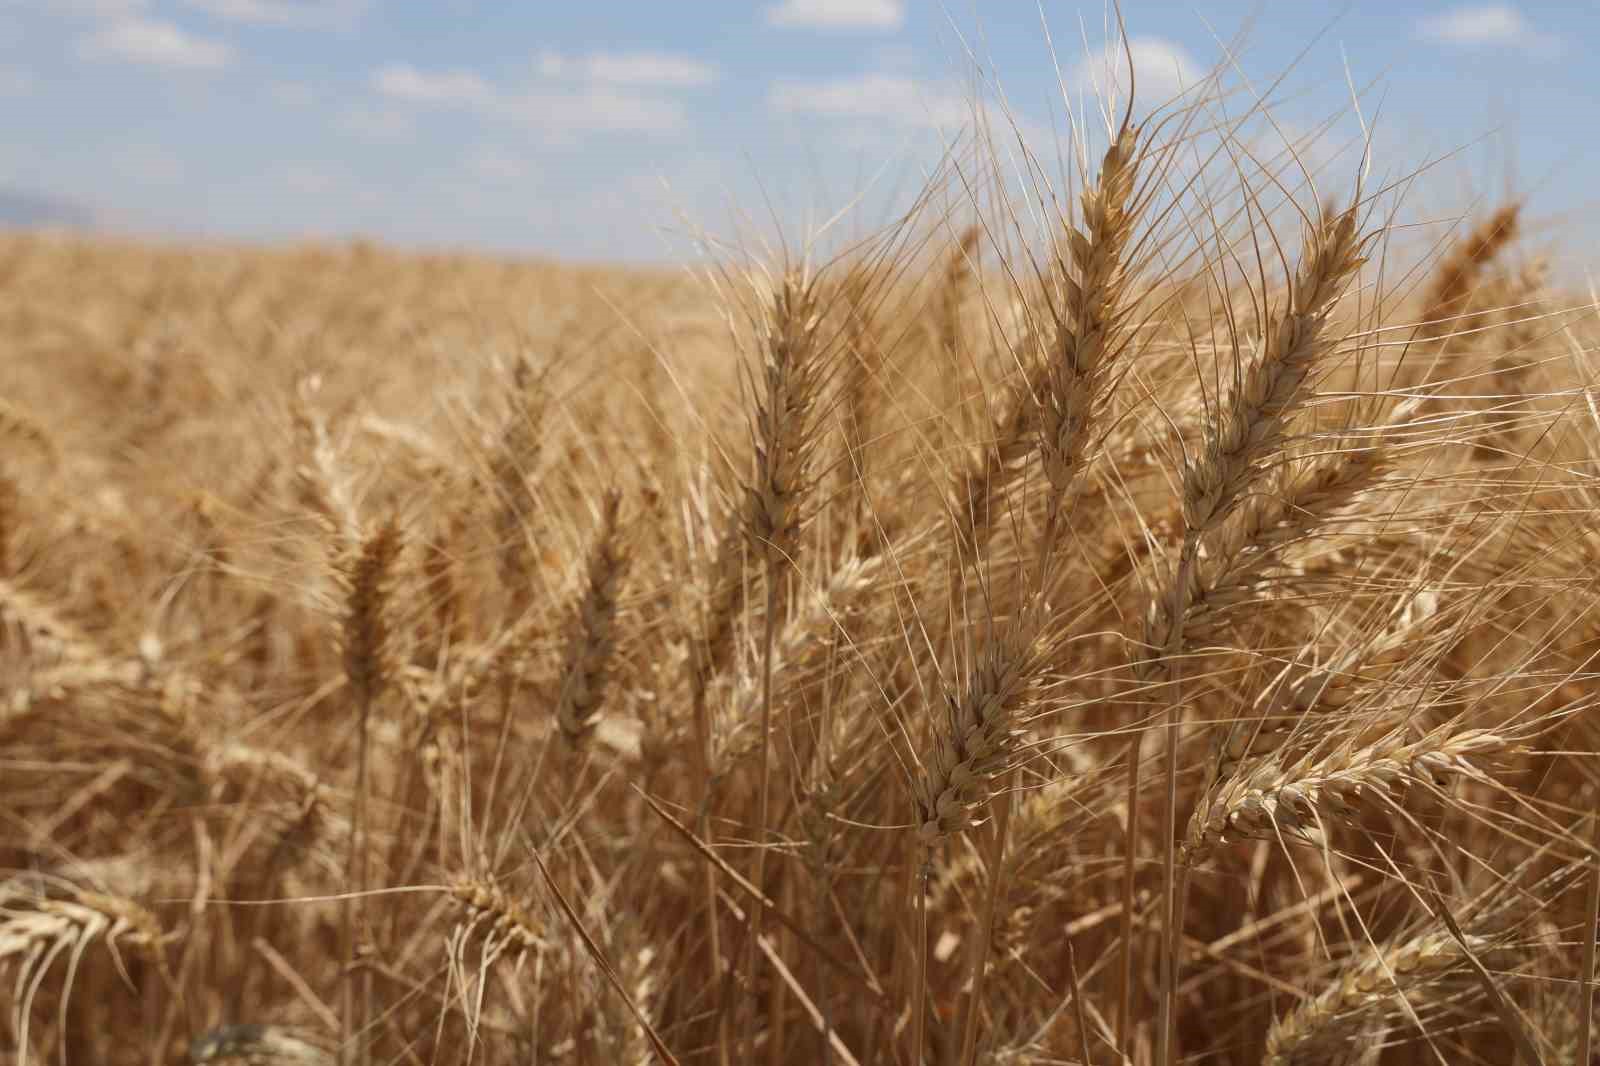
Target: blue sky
x: 603, y: 130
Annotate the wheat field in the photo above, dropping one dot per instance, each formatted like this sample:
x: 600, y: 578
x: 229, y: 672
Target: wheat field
x: 1150, y: 620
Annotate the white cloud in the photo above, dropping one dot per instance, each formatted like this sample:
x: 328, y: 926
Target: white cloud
x: 451, y: 87
x: 1491, y: 24
x: 890, y: 98
x: 1162, y: 69
x: 593, y: 107
x: 157, y: 44
x: 838, y: 14
x: 283, y: 12
x: 662, y: 69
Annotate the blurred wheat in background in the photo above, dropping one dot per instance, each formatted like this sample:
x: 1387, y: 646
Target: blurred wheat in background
x: 1141, y: 612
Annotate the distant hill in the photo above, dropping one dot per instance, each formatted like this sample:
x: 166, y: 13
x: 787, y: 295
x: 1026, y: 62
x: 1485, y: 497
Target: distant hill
x: 21, y: 209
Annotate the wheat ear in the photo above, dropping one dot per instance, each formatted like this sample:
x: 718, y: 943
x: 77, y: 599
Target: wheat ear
x: 1059, y: 398
x: 1276, y: 798
x: 591, y: 639
x: 36, y: 929
x: 516, y: 455
x: 1250, y: 429
x: 1299, y: 502
x: 805, y: 639
x: 368, y: 575
x: 786, y: 430
x: 860, y: 391
x: 978, y: 738
x: 257, y: 1045
x: 1458, y: 273
x: 1365, y: 990
x: 489, y: 907
x: 1089, y: 329
x: 1296, y: 340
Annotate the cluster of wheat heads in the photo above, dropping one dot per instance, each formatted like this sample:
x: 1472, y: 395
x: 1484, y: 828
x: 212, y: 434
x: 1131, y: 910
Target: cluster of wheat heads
x: 1149, y: 625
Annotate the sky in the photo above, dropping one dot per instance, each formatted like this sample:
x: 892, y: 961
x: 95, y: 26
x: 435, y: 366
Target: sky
x: 618, y: 131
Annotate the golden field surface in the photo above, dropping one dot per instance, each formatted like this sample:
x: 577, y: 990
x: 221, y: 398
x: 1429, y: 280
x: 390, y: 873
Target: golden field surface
x: 1133, y: 629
